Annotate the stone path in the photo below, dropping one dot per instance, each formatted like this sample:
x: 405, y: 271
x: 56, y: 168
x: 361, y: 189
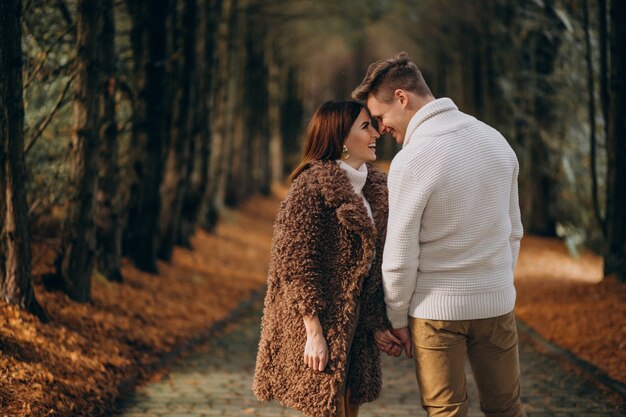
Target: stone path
x: 215, y: 380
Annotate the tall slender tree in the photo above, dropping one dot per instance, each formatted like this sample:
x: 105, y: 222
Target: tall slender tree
x: 175, y: 178
x: 15, y: 253
x: 237, y: 188
x: 78, y: 242
x: 615, y: 246
x: 148, y: 39
x: 537, y: 60
x: 273, y: 111
x: 220, y: 146
x: 108, y: 204
x: 591, y: 91
x: 202, y: 121
x: 256, y: 87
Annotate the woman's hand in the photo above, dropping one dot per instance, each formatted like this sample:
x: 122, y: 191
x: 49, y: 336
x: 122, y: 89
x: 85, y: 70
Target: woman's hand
x: 315, y: 349
x: 316, y: 352
x: 387, y: 342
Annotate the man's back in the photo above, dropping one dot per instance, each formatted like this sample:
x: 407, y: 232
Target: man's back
x: 460, y: 177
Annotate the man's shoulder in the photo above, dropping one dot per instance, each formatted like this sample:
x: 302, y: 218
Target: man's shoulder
x: 416, y: 153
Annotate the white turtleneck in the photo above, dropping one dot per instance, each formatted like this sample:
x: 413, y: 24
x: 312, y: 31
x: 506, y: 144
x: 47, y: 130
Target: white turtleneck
x: 357, y: 177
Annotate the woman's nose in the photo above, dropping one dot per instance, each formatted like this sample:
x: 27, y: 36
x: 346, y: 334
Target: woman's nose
x: 375, y: 132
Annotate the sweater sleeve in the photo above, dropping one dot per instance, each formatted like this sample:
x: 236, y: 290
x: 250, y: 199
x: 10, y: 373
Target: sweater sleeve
x: 297, y: 250
x: 517, y: 229
x: 407, y: 200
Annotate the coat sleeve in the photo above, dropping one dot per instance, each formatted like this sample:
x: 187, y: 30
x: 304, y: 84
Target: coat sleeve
x: 297, y: 253
x: 375, y: 314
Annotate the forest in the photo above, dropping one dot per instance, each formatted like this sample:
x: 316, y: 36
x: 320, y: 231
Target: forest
x: 127, y: 125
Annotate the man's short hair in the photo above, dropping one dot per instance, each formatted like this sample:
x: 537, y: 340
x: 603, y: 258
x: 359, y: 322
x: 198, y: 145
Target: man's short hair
x: 383, y: 78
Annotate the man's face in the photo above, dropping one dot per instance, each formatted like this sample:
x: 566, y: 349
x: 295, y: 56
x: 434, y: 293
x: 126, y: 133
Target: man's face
x: 391, y: 117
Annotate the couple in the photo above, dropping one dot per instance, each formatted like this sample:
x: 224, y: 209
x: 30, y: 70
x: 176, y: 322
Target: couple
x: 430, y: 274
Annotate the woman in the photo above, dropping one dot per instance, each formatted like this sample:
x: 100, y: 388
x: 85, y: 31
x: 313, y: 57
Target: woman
x: 324, y: 310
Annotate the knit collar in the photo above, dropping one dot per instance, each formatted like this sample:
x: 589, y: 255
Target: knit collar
x: 436, y: 107
x: 357, y: 177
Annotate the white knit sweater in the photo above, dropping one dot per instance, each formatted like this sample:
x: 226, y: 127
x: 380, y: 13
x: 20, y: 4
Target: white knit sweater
x: 454, y: 221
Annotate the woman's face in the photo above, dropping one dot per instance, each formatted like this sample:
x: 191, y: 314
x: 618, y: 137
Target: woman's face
x: 361, y: 141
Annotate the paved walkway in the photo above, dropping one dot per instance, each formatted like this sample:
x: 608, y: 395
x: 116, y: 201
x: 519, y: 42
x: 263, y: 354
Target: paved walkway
x: 215, y: 380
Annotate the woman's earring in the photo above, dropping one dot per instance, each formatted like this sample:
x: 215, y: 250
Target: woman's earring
x: 345, y: 154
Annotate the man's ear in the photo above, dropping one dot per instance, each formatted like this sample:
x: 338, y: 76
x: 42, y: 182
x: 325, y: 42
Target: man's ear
x: 402, y: 97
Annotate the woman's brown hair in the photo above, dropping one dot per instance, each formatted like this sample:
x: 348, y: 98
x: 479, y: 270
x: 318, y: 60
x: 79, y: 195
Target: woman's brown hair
x: 327, y: 132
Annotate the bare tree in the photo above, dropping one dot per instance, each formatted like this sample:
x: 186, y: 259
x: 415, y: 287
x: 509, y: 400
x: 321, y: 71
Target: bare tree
x: 592, y: 116
x: 220, y: 145
x: 238, y: 185
x: 148, y: 39
x: 256, y: 81
x: 108, y: 204
x: 78, y: 242
x: 274, y: 102
x: 175, y: 178
x: 202, y: 121
x: 615, y: 246
x: 15, y: 253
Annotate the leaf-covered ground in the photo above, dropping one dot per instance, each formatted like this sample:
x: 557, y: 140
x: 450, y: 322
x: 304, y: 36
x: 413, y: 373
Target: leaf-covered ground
x: 567, y: 301
x: 76, y: 364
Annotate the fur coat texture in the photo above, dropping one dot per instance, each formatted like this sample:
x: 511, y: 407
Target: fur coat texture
x: 323, y: 244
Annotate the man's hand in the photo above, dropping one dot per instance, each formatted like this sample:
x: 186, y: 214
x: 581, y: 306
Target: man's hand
x: 388, y: 343
x: 405, y: 337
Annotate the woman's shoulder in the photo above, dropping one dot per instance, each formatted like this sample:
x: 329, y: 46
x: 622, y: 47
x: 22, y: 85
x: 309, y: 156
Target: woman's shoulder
x: 316, y: 176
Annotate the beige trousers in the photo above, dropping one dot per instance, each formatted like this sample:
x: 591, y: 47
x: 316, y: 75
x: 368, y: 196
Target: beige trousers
x: 440, y: 349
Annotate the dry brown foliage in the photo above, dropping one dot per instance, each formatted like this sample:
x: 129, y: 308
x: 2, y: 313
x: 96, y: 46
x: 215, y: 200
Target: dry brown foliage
x: 76, y: 364
x: 567, y: 301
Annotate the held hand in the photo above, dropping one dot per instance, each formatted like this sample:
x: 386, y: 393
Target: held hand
x: 405, y: 336
x: 316, y: 352
x: 388, y: 343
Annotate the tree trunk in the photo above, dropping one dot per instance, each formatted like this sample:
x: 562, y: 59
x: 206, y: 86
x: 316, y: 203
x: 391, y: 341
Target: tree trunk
x: 202, y: 131
x: 148, y: 38
x: 108, y: 204
x: 237, y: 188
x: 490, y: 91
x: 615, y: 248
x: 175, y: 179
x: 256, y: 80
x: 273, y: 114
x: 219, y: 160
x: 291, y: 118
x: 15, y: 252
x: 78, y: 242
x: 604, y: 64
x: 539, y: 53
x: 592, y: 116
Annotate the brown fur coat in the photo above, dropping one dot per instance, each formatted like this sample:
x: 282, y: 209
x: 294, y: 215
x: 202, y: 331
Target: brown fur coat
x: 323, y: 242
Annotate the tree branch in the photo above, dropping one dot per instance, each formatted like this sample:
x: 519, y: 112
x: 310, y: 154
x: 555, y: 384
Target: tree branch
x: 48, y: 191
x: 32, y: 75
x: 43, y: 124
x: 65, y: 12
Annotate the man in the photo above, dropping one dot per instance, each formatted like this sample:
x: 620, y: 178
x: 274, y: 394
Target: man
x: 452, y: 242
